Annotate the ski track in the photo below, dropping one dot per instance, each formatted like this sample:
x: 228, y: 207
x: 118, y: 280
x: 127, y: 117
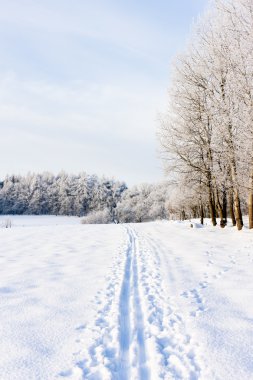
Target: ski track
x: 138, y: 333
x: 176, y: 348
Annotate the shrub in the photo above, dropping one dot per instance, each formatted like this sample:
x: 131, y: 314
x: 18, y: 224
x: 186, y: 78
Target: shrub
x: 98, y: 217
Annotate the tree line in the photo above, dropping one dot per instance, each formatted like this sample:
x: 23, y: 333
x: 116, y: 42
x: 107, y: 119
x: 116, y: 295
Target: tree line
x: 61, y: 194
x: 96, y: 200
x: 143, y: 203
x: 207, y: 132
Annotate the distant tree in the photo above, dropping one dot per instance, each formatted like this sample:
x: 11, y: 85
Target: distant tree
x: 62, y: 194
x: 144, y: 203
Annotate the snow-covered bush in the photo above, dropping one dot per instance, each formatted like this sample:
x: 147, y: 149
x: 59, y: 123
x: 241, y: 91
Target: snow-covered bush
x: 98, y: 217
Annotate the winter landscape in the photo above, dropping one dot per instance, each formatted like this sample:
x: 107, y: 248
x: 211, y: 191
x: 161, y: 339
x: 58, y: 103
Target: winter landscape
x: 158, y: 300
x: 149, y: 277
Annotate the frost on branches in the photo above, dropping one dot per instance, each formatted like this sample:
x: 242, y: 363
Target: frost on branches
x: 61, y: 194
x: 97, y: 200
x: 207, y: 132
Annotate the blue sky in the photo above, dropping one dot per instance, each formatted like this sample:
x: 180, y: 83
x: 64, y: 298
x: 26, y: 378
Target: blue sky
x: 82, y: 83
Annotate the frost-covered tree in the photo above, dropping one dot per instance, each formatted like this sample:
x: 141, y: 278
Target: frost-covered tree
x: 144, y: 203
x: 61, y: 194
x: 207, y: 133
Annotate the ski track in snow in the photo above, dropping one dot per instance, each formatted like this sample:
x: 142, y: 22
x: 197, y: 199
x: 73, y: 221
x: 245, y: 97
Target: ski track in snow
x: 176, y: 348
x: 138, y: 333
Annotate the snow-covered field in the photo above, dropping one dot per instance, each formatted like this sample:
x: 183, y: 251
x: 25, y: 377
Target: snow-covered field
x: 142, y: 301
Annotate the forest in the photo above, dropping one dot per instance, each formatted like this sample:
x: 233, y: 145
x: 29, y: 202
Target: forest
x: 62, y: 194
x: 97, y: 200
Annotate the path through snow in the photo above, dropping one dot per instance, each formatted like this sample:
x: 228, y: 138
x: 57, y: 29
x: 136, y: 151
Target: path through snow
x: 140, y: 334
x: 125, y: 302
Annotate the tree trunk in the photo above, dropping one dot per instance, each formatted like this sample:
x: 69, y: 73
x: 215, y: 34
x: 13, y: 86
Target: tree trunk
x: 211, y: 201
x: 207, y: 211
x: 212, y: 208
x: 238, y: 212
x: 201, y: 213
x: 250, y: 207
x: 194, y: 211
x: 250, y: 201
x: 220, y: 210
x: 224, y: 205
x: 231, y: 207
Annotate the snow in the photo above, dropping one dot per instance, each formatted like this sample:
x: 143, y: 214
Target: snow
x: 37, y: 220
x: 49, y: 276
x: 156, y: 300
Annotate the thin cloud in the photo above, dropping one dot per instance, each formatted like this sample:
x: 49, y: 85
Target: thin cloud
x: 81, y: 83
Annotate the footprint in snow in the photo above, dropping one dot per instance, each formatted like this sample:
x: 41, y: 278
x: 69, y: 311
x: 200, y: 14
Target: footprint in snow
x: 81, y: 327
x: 203, y: 284
x: 194, y: 294
x: 197, y: 312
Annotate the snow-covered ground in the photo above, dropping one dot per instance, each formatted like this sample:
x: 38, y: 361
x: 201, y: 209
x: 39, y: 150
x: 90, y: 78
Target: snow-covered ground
x: 142, y: 301
x: 37, y: 220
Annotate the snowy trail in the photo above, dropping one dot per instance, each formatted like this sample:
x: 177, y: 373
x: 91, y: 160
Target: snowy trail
x: 174, y: 350
x: 119, y: 351
x: 124, y: 319
x: 131, y: 322
x: 139, y: 334
x: 113, y: 302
